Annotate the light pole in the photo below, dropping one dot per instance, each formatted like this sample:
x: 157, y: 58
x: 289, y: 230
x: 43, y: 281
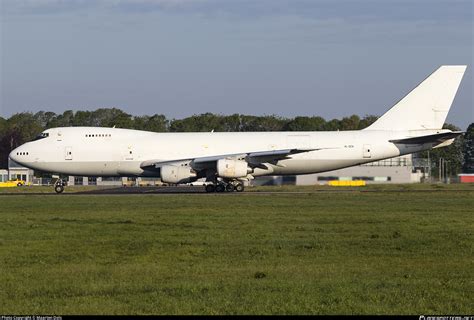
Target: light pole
x: 440, y: 170
x: 446, y: 169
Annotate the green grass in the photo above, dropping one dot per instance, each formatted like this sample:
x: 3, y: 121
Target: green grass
x: 48, y: 189
x: 310, y: 253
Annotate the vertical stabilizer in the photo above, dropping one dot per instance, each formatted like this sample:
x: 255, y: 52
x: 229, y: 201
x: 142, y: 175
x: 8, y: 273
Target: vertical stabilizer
x: 426, y: 106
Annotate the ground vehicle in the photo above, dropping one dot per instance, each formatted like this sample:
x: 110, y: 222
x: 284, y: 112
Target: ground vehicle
x: 13, y: 183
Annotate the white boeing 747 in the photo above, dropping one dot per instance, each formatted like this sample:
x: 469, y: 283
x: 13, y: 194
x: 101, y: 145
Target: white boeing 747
x: 226, y: 159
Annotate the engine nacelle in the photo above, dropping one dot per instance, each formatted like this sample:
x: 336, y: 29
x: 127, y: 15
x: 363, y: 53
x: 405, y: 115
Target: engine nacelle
x: 230, y: 168
x: 177, y: 174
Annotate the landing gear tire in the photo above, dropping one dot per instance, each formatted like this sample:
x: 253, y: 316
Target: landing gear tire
x: 210, y: 188
x: 59, y: 188
x: 220, y: 188
x: 239, y: 187
x: 229, y: 187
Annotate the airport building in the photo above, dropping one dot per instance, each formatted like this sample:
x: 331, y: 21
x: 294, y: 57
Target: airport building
x: 16, y: 171
x: 3, y: 175
x: 404, y: 169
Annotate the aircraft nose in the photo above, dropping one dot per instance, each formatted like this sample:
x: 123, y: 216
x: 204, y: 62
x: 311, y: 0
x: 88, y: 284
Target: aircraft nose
x: 14, y: 155
x: 20, y: 156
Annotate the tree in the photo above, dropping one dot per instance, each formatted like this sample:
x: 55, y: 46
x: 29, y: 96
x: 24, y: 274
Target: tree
x: 3, y: 143
x: 63, y: 120
x: 3, y: 126
x: 205, y: 122
x: 18, y: 129
x: 263, y: 123
x: 83, y: 119
x: 349, y: 123
x: 468, y: 150
x: 367, y: 121
x: 155, y: 123
x: 306, y: 124
x: 232, y: 123
x: 110, y: 117
x: 45, y: 118
x: 332, y: 125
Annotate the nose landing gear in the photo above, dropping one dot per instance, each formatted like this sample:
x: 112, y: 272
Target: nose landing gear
x: 59, y: 186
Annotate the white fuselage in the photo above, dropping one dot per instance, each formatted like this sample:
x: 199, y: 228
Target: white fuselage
x: 95, y: 151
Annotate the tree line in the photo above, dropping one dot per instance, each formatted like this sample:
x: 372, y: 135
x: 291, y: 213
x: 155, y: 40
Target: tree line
x: 23, y: 127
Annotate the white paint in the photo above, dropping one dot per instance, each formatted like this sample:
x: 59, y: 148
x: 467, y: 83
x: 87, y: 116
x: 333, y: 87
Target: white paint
x: 427, y: 105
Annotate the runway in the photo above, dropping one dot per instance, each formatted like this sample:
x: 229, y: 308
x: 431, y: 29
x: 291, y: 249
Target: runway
x: 147, y: 190
x: 170, y: 190
x: 199, y: 190
x: 194, y: 190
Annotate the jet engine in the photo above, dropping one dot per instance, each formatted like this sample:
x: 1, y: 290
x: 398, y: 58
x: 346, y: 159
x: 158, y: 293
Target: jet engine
x: 231, y: 168
x: 177, y: 174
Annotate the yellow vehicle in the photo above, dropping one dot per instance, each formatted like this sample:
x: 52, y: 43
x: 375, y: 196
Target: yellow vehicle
x: 12, y: 183
x: 349, y: 183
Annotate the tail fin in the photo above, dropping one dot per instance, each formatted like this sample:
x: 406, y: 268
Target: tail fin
x: 426, y: 106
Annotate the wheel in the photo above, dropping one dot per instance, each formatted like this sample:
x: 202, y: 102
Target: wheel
x: 239, y: 187
x: 229, y: 187
x: 210, y: 188
x: 220, y: 188
x: 59, y: 189
x: 19, y: 184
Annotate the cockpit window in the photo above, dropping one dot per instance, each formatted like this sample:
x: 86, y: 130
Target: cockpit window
x: 42, y: 135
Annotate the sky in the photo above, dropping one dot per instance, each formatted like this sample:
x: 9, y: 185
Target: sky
x: 329, y: 58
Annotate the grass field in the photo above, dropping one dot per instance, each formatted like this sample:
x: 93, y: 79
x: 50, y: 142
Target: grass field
x: 406, y: 251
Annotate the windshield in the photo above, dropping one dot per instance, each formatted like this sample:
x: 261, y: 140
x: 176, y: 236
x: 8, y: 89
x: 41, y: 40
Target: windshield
x: 42, y: 135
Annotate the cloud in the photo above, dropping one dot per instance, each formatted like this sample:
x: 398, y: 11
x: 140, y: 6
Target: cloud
x: 31, y: 6
x: 433, y: 10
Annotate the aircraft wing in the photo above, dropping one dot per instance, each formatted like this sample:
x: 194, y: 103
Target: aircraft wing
x: 432, y: 138
x: 253, y: 158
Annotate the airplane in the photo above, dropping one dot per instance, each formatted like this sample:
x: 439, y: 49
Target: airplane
x: 227, y: 159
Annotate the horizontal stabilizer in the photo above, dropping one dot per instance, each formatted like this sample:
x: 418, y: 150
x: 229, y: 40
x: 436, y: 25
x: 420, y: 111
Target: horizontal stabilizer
x: 432, y: 138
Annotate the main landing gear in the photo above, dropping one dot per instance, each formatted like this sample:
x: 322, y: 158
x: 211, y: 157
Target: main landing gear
x: 225, y: 187
x: 59, y: 186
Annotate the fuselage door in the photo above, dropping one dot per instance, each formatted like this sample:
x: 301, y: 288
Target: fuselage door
x: 68, y: 153
x: 128, y: 155
x: 367, y: 151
